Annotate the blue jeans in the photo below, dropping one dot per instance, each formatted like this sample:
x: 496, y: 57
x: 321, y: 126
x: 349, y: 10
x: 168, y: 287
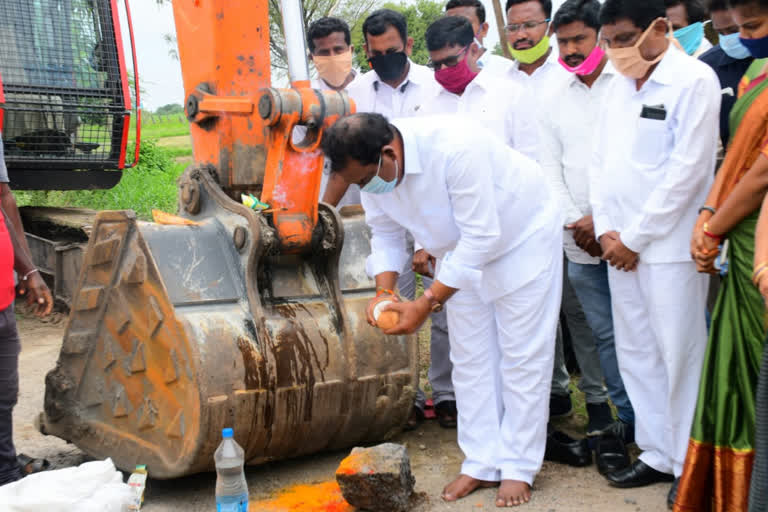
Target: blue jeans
x: 590, y: 282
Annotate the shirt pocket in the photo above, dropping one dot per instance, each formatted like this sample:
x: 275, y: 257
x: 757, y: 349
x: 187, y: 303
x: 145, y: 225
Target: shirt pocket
x: 652, y: 143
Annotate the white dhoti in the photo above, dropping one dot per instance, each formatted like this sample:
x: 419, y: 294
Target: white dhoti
x: 661, y: 335
x: 502, y: 354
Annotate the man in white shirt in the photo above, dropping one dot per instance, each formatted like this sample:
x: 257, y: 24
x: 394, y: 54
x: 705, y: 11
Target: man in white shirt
x: 497, y: 236
x: 567, y: 133
x: 528, y: 30
x: 477, y: 93
x: 330, y: 50
x: 651, y: 169
x: 398, y: 87
x: 474, y: 11
x: 687, y: 18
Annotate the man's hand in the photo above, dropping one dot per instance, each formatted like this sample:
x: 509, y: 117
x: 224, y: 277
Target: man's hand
x: 412, y: 315
x: 583, y: 231
x: 421, y: 262
x: 38, y: 294
x: 593, y: 249
x: 616, y: 253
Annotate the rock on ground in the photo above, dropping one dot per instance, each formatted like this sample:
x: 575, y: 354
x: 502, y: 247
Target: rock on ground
x: 378, y: 479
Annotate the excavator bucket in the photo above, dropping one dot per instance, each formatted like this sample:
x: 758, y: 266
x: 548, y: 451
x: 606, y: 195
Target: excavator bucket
x: 179, y: 331
x: 247, y: 319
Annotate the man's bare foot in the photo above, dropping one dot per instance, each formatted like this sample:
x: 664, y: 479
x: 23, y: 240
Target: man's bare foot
x: 463, y: 486
x: 513, y: 493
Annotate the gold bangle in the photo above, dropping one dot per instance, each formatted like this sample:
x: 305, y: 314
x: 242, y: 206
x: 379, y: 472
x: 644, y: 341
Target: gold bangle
x: 756, y: 279
x: 758, y: 271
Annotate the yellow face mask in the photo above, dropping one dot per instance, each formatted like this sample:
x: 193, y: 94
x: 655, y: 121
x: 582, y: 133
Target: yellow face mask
x: 532, y: 54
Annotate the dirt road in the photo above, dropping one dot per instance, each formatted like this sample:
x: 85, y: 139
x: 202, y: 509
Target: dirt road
x: 435, y: 458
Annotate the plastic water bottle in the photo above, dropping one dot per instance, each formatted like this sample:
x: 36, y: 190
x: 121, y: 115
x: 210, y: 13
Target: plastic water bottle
x: 231, y: 488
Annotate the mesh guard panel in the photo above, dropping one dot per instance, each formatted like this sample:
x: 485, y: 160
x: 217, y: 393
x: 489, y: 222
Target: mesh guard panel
x: 64, y: 104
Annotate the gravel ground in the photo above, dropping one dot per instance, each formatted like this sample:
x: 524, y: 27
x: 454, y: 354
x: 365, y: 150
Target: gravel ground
x: 435, y: 458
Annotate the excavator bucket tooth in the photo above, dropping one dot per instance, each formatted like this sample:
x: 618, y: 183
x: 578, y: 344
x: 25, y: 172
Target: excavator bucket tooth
x: 175, y: 334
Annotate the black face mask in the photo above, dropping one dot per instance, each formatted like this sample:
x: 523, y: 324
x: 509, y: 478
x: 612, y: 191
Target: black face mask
x: 389, y: 66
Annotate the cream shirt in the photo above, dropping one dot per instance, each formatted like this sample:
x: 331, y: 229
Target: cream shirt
x: 649, y: 177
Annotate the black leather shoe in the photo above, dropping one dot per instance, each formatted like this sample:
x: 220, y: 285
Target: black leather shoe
x: 623, y: 431
x: 611, y: 454
x: 638, y: 474
x: 672, y: 496
x: 566, y: 450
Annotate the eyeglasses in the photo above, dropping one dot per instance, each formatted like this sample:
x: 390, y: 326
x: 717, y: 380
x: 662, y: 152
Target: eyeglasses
x: 528, y: 25
x: 447, y: 62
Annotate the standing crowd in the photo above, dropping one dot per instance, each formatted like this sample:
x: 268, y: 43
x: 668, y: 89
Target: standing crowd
x: 575, y: 191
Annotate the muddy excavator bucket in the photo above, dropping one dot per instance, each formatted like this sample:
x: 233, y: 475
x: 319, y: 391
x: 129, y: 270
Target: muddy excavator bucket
x: 247, y: 319
x: 175, y: 333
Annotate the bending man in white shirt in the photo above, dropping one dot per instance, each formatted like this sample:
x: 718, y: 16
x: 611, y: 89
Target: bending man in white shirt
x: 398, y: 87
x: 652, y: 166
x: 497, y: 236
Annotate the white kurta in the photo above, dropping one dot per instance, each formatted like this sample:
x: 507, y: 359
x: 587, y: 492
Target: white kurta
x: 543, y: 82
x: 500, y: 104
x: 497, y: 236
x: 371, y: 94
x: 567, y: 128
x: 648, y: 179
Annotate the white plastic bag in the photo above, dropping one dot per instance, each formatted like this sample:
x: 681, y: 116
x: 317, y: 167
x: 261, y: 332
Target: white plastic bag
x: 91, y: 487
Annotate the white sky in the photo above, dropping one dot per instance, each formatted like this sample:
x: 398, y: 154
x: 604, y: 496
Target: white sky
x: 160, y: 75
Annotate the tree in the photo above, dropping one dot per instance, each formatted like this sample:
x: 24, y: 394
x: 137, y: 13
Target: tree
x: 419, y: 16
x: 171, y: 108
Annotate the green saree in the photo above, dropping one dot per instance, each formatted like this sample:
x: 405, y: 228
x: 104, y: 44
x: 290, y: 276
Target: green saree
x: 718, y: 463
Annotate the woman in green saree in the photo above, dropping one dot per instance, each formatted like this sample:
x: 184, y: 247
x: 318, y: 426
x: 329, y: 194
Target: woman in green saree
x: 718, y: 464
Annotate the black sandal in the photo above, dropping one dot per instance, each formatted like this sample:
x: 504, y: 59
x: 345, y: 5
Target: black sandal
x: 29, y: 465
x: 447, y: 415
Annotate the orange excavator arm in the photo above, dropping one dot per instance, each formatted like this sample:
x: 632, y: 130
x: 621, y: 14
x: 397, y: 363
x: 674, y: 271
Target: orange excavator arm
x: 242, y: 126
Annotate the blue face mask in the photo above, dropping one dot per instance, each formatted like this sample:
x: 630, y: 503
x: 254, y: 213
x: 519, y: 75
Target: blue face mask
x: 757, y: 47
x: 690, y: 37
x: 377, y: 185
x: 733, y: 48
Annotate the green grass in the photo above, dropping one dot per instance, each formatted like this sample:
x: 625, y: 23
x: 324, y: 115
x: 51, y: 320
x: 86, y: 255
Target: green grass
x: 158, y: 127
x: 152, y: 184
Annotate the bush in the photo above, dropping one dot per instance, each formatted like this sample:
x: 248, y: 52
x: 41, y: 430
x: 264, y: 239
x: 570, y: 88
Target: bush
x: 151, y: 184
